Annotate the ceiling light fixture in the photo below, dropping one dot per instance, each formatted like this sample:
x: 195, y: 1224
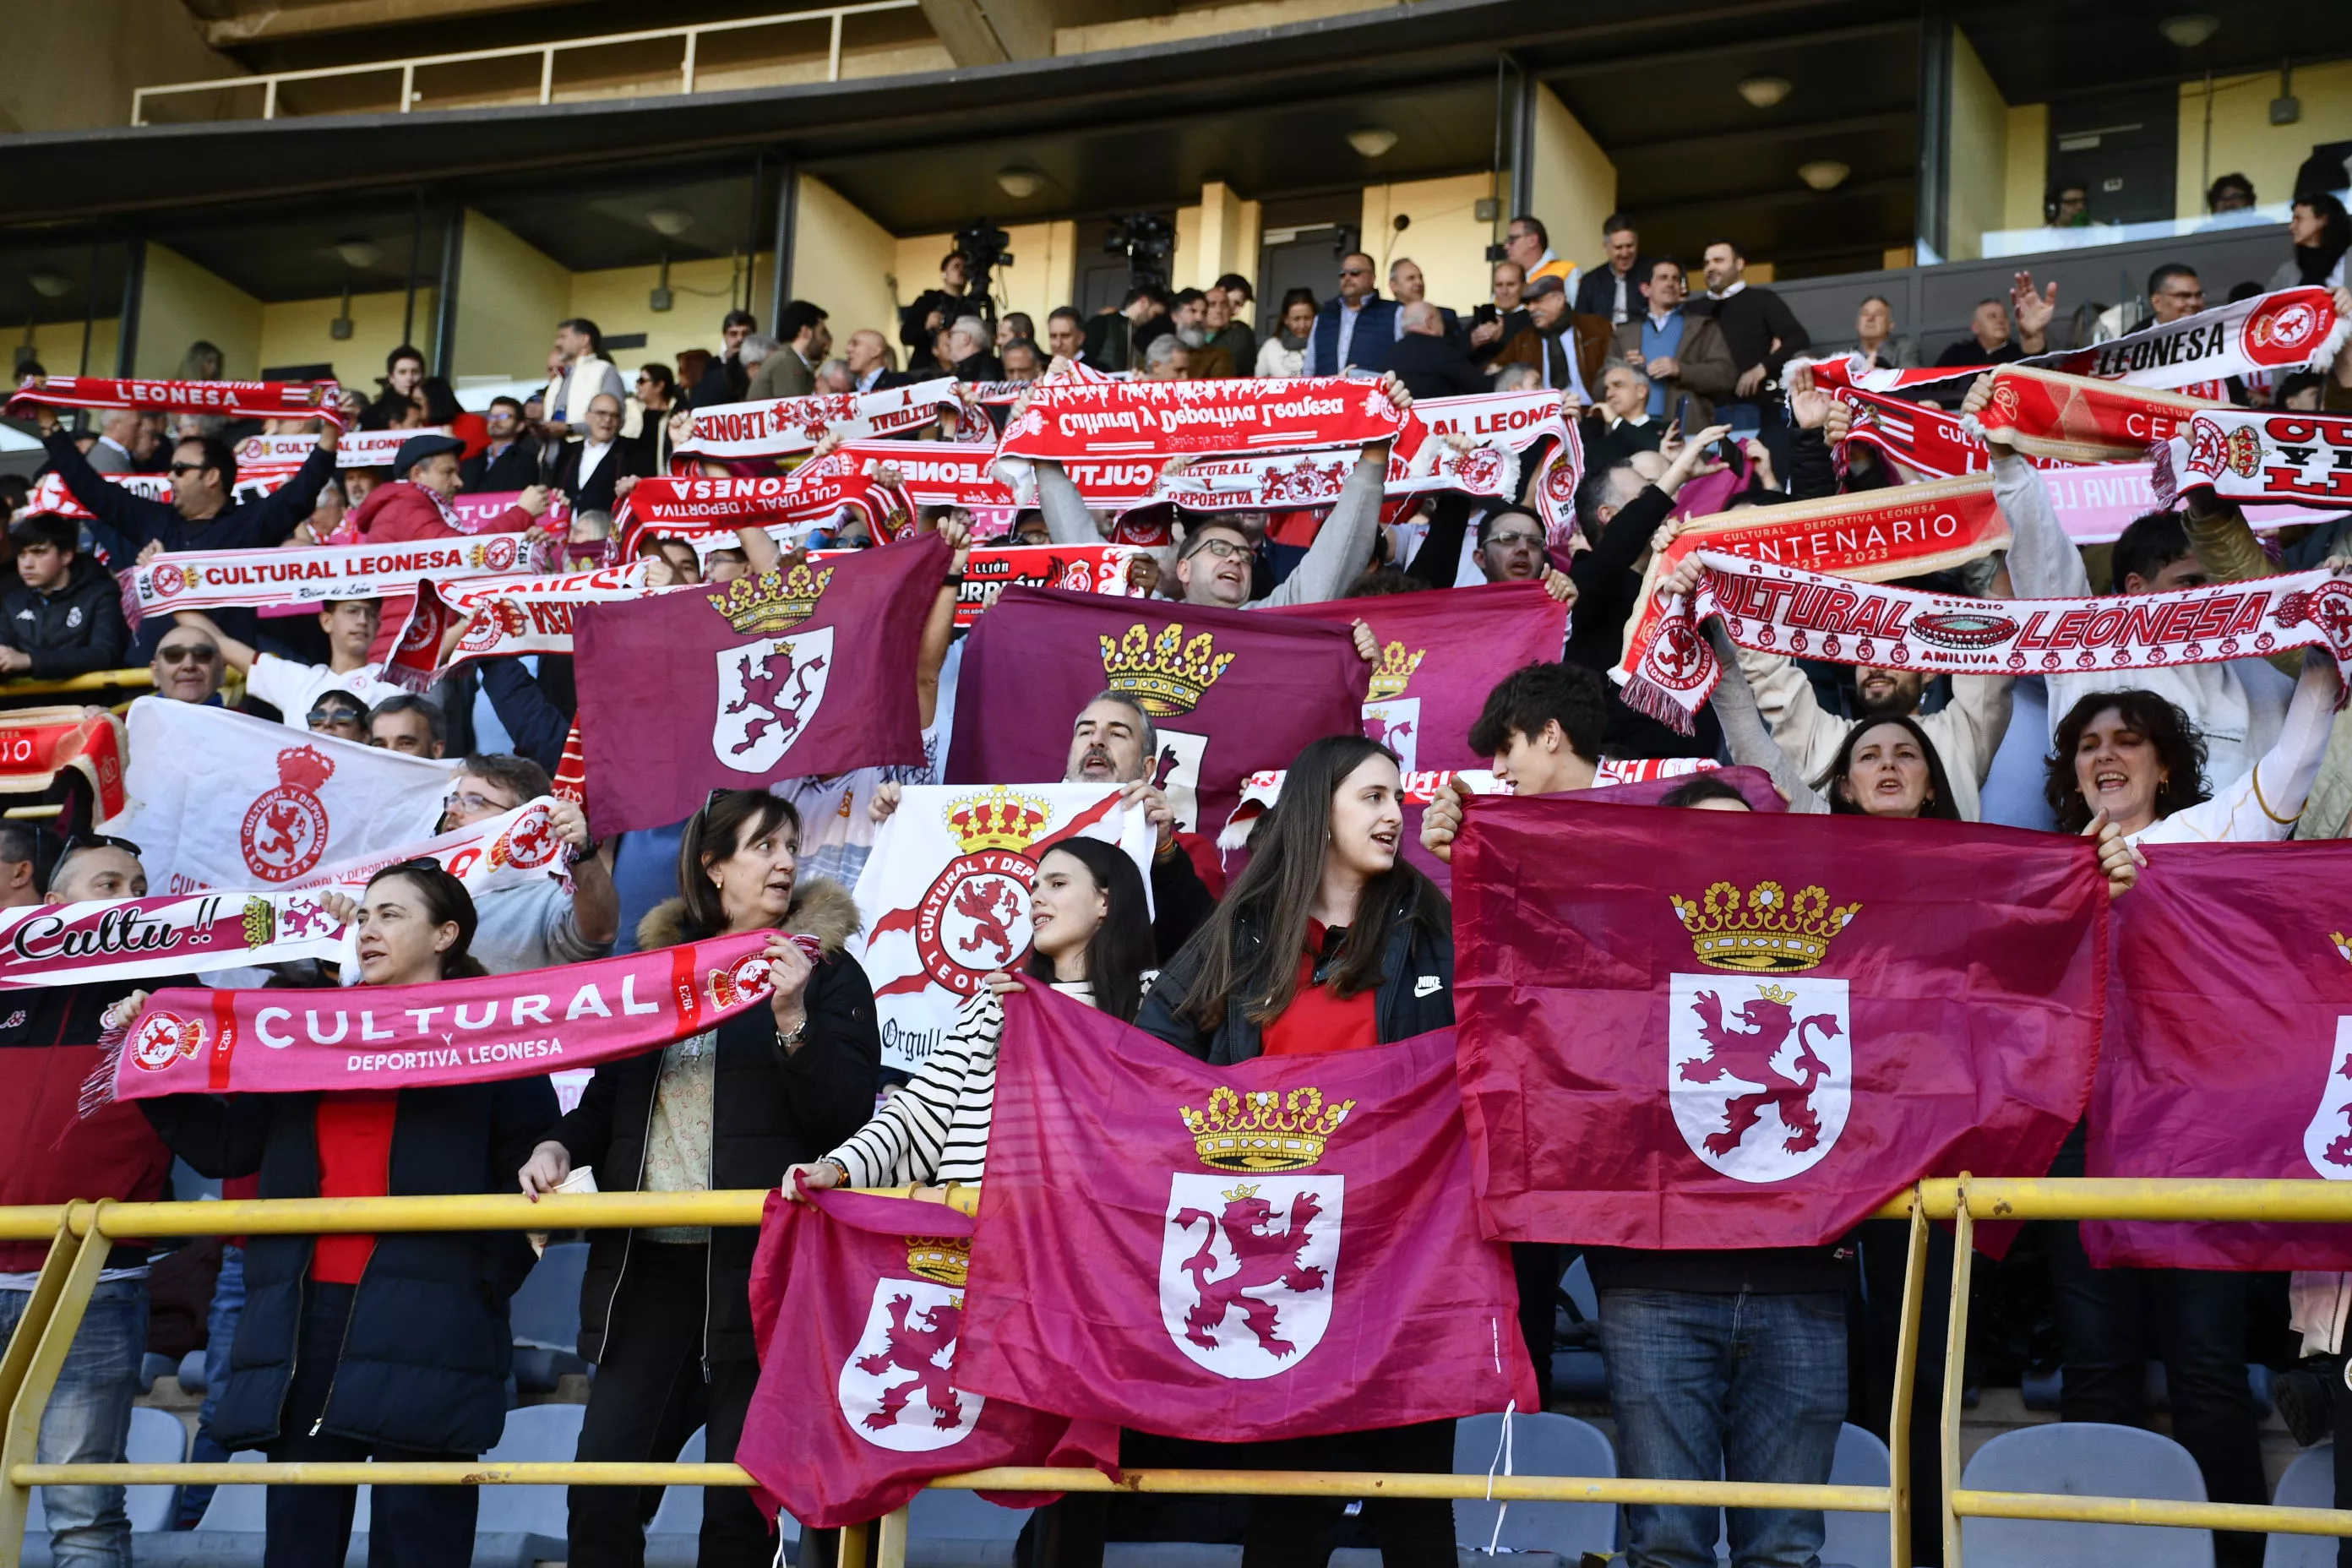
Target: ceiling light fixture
x: 1824, y: 173
x: 48, y: 285
x: 359, y: 254
x: 1764, y: 91
x: 669, y: 222
x: 1020, y: 184
x: 1371, y: 141
x: 2189, y: 29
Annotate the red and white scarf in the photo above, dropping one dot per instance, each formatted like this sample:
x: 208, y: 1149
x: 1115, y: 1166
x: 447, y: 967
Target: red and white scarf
x: 2076, y: 419
x: 453, y: 1032
x: 1149, y: 421
x: 354, y: 449
x: 1777, y: 609
x: 39, y: 743
x: 231, y: 399
x: 2258, y: 454
x: 784, y: 425
x: 511, y: 615
x: 811, y: 495
x: 939, y: 473
x: 2290, y: 328
x: 1905, y: 530
x: 308, y: 574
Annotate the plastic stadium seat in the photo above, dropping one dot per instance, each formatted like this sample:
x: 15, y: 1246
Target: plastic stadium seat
x: 1577, y: 1372
x: 960, y: 1529
x: 157, y: 1437
x: 153, y: 1366
x: 191, y: 1373
x: 1543, y: 1443
x: 2309, y: 1482
x: 2084, y: 1459
x: 1848, y: 1540
x: 545, y: 1316
x: 236, y: 1510
x: 536, y: 1433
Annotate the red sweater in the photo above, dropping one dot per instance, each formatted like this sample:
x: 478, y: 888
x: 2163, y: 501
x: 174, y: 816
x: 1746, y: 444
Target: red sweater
x: 400, y: 511
x: 355, y: 1134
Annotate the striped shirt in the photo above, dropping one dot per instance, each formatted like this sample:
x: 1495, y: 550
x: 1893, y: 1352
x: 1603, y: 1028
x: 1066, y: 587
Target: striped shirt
x: 935, y: 1130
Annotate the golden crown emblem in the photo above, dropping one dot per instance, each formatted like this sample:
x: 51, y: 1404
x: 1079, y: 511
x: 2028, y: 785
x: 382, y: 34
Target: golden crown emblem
x: 1240, y: 1190
x: 1262, y: 1131
x: 997, y: 820
x: 1165, y: 674
x: 1762, y: 930
x: 1394, y: 670
x: 773, y: 602
x: 1771, y: 993
x: 946, y: 1258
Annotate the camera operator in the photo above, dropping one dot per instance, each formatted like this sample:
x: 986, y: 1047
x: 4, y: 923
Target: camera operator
x: 919, y: 324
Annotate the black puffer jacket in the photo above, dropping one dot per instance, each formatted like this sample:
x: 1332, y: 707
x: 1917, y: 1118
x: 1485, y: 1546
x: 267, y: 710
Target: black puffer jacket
x: 1415, y: 995
x: 773, y: 1111
x: 72, y: 631
x: 424, y: 1365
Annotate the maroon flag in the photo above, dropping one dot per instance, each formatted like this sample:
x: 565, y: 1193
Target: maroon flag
x: 1682, y: 1029
x: 744, y: 683
x: 1230, y: 692
x: 1440, y: 654
x: 2229, y: 1047
x: 863, y: 1405
x: 1279, y: 1248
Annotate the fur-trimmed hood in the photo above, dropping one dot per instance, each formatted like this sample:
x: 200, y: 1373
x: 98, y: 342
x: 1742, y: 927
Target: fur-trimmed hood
x: 820, y: 908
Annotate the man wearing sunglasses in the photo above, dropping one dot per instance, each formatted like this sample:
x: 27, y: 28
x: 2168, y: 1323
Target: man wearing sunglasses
x: 534, y: 923
x: 1356, y: 328
x: 204, y: 514
x: 50, y: 1152
x: 187, y: 667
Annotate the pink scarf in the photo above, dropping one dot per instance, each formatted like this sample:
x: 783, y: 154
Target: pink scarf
x: 192, y: 1041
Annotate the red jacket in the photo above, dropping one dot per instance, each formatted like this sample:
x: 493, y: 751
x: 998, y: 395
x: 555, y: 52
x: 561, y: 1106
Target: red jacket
x: 395, y: 513
x: 49, y: 1153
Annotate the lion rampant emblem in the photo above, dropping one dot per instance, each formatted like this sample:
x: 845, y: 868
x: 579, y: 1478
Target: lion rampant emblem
x: 1760, y: 1071
x: 285, y: 829
x: 1247, y: 1269
x: 1749, y: 1056
x: 894, y: 1390
x: 918, y: 1342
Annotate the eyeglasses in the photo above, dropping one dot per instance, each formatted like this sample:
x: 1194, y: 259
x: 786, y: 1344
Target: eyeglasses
x: 469, y: 801
x: 1355, y: 272
x: 179, y: 468
x: 187, y: 653
x: 1513, y: 540
x: 334, y: 713
x: 1222, y: 549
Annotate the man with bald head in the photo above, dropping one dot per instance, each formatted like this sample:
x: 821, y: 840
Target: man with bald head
x: 1428, y: 359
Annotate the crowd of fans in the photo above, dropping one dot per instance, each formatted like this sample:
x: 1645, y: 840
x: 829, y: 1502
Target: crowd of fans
x: 1667, y: 382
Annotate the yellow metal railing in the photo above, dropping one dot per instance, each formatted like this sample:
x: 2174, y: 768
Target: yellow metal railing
x: 80, y: 1235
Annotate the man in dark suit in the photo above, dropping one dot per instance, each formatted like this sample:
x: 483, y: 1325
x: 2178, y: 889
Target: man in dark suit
x: 1355, y: 327
x: 728, y: 379
x: 1429, y: 362
x: 588, y: 470
x: 510, y: 462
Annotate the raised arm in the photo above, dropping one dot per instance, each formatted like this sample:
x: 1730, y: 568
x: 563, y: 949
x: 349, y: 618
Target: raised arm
x: 1745, y: 733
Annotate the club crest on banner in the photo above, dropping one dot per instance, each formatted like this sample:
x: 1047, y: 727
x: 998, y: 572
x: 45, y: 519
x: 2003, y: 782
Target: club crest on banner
x: 163, y: 1038
x: 1248, y: 1267
x: 1760, y: 1060
x: 285, y: 829
x: 974, y: 920
x: 2327, y: 1141
x: 768, y: 692
x: 894, y: 1390
x: 1167, y: 675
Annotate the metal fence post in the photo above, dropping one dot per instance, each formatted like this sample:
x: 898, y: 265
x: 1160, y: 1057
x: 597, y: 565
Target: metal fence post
x: 36, y: 1354
x: 889, y: 1539
x: 1907, y: 1356
x: 1956, y: 1348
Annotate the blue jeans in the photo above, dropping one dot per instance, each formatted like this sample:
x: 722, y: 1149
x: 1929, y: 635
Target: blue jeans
x: 1745, y: 1387
x: 220, y: 1333
x: 87, y: 1421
